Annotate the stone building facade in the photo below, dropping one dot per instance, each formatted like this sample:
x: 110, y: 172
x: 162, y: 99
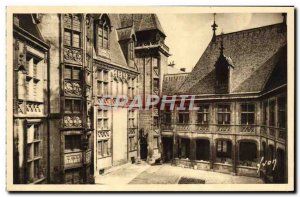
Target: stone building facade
x: 64, y: 65
x: 240, y: 89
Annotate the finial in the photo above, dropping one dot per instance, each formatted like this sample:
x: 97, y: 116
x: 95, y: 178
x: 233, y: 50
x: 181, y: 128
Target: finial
x: 214, y: 28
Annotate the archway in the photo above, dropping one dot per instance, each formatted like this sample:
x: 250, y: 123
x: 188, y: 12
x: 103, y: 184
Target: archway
x: 248, y: 153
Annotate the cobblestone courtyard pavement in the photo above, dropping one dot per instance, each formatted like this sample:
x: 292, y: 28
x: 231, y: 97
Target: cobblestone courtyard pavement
x: 167, y: 174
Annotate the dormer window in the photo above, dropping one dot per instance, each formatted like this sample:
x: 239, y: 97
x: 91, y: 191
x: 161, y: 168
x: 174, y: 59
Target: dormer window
x: 72, y: 30
x: 102, y: 30
x: 131, y: 49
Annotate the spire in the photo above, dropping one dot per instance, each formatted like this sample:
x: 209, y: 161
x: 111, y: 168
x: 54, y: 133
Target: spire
x: 222, y: 44
x: 214, y: 28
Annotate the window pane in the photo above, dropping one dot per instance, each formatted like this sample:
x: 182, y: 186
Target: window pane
x: 68, y: 105
x: 105, y: 33
x: 77, y: 106
x: 67, y: 38
x: 76, y: 40
x: 36, y: 149
x: 76, y: 23
x: 100, y: 31
x: 220, y: 118
x: 105, y: 44
x: 244, y: 118
x: 67, y: 73
x: 76, y: 73
x: 36, y: 132
x: 250, y: 118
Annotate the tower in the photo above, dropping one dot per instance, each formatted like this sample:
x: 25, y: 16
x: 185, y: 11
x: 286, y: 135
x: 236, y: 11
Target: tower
x: 151, y: 60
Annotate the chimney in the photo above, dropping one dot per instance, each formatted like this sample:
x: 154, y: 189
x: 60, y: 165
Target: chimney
x: 182, y: 69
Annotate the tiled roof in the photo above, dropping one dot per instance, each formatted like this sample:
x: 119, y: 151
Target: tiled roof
x: 125, y: 33
x: 253, y: 54
x: 26, y: 23
x: 171, y: 82
x: 142, y: 22
x: 116, y: 55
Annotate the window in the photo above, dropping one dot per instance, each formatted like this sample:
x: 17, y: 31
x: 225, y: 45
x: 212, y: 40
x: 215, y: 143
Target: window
x: 103, y: 149
x: 131, y: 50
x: 72, y: 72
x: 265, y: 113
x: 247, y: 114
x: 132, y: 143
x: 203, y: 114
x: 131, y: 119
x: 155, y: 122
x: 72, y: 106
x: 102, y: 121
x: 223, y: 114
x: 202, y: 150
x: 223, y: 151
x: 34, y: 154
x: 156, y: 84
x: 73, y: 176
x: 183, y: 117
x: 156, y: 142
x: 102, y: 28
x: 72, y: 143
x: 167, y: 117
x: 247, y: 154
x: 282, y: 112
x: 185, y: 148
x: 72, y: 30
x: 272, y: 113
x: 131, y: 85
x: 102, y: 82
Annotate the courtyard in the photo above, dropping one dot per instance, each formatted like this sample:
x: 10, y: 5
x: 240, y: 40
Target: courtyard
x: 166, y: 174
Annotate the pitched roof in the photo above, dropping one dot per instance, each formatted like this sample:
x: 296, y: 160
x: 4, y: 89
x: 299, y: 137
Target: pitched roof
x: 171, y: 82
x: 117, y: 57
x: 142, y: 22
x: 27, y: 23
x: 125, y: 33
x: 251, y: 52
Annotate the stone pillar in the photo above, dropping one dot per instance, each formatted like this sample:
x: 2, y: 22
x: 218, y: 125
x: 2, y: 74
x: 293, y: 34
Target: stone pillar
x: 192, y: 149
x: 234, y: 156
x: 212, y: 153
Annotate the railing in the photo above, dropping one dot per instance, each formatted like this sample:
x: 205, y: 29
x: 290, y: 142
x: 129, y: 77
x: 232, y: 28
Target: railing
x: 166, y: 127
x: 279, y: 134
x: 29, y: 107
x: 141, y: 45
x: 73, y: 159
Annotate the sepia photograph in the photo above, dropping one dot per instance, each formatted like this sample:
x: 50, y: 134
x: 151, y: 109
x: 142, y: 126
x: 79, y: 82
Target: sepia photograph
x: 150, y: 99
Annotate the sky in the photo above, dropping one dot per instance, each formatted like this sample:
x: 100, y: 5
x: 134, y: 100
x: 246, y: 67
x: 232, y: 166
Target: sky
x: 189, y: 34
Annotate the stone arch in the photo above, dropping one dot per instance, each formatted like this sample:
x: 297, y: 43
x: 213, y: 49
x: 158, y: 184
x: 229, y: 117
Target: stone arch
x: 248, y: 152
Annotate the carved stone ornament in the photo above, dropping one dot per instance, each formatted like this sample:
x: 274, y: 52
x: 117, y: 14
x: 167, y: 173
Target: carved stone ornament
x: 74, y: 121
x: 73, y: 88
x: 73, y: 55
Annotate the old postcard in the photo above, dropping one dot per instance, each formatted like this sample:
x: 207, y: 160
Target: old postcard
x: 150, y: 98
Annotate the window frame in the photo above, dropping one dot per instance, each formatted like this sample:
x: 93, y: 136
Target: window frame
x: 73, y: 143
x: 203, y: 113
x: 247, y: 113
x: 72, y: 30
x: 185, y: 115
x: 224, y: 114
